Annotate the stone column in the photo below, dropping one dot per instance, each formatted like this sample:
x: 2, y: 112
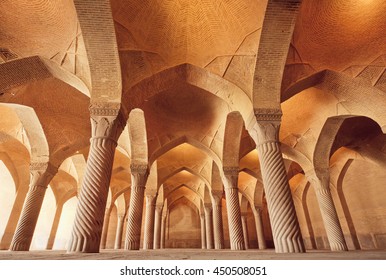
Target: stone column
x: 13, y: 217
x: 245, y: 230
x: 118, y: 234
x: 163, y: 231
x: 285, y: 227
x: 259, y: 228
x: 321, y: 183
x: 139, y: 174
x: 233, y: 208
x: 106, y: 126
x: 157, y: 226
x: 148, y: 237
x: 217, y: 221
x: 41, y: 176
x: 105, y: 229
x: 54, y: 228
x: 209, y: 226
x: 203, y: 235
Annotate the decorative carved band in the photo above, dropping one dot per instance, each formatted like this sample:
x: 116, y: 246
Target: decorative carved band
x: 231, y: 170
x: 104, y: 109
x: 268, y: 114
x: 139, y: 168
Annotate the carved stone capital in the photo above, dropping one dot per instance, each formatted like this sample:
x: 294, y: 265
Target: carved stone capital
x: 217, y: 197
x: 42, y: 173
x: 139, y: 174
x: 159, y: 208
x: 319, y: 178
x: 106, y: 120
x: 268, y: 114
x: 231, y: 174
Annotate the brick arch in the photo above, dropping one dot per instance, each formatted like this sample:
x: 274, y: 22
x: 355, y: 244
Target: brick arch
x: 193, y: 75
x: 98, y: 30
x: 276, y: 35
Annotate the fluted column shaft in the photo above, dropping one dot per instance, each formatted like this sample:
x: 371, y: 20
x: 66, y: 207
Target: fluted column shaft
x: 106, y: 126
x: 105, y: 229
x: 41, y: 175
x: 54, y: 227
x: 203, y: 235
x: 285, y: 227
x: 13, y: 218
x: 259, y: 229
x: 328, y: 211
x: 217, y: 222
x: 157, y: 226
x: 139, y: 175
x: 148, y: 238
x: 245, y: 230
x: 209, y: 226
x: 163, y: 232
x: 233, y: 208
x: 118, y: 234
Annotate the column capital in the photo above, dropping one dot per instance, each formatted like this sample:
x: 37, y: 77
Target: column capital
x: 319, y: 178
x: 42, y: 173
x: 217, y: 197
x: 231, y: 174
x: 106, y: 120
x: 139, y: 174
x: 150, y: 198
x: 159, y: 208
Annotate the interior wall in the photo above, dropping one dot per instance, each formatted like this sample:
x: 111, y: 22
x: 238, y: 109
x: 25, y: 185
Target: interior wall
x: 112, y: 230
x: 184, y: 227
x: 364, y: 188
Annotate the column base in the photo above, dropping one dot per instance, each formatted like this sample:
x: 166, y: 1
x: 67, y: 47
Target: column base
x: 337, y: 246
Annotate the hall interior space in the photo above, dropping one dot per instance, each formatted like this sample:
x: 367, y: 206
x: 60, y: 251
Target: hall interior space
x: 150, y: 127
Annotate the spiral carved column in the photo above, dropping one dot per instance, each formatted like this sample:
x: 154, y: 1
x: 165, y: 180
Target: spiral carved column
x: 54, y: 227
x: 163, y: 231
x: 245, y: 230
x: 106, y: 126
x: 233, y: 208
x: 118, y: 234
x: 259, y: 229
x: 149, y: 222
x: 285, y: 227
x: 157, y: 226
x: 203, y: 235
x: 217, y: 221
x: 41, y: 175
x: 328, y: 211
x: 139, y: 174
x: 209, y: 226
x: 105, y: 229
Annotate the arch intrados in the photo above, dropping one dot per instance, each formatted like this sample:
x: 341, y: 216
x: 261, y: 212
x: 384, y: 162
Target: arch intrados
x: 179, y: 170
x: 176, y: 188
x: 184, y: 140
x: 190, y: 204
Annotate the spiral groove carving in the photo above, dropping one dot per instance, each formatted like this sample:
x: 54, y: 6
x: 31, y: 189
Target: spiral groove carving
x: 285, y: 227
x: 331, y: 220
x: 218, y: 226
x: 234, y: 219
x: 118, y: 236
x: 134, y: 222
x: 259, y: 229
x: 89, y: 218
x: 157, y: 227
x: 149, y: 223
x: 28, y: 219
x: 209, y: 227
x: 245, y: 231
x: 203, y: 235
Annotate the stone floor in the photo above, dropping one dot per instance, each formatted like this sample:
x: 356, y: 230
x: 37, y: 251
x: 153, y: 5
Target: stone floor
x: 193, y: 254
